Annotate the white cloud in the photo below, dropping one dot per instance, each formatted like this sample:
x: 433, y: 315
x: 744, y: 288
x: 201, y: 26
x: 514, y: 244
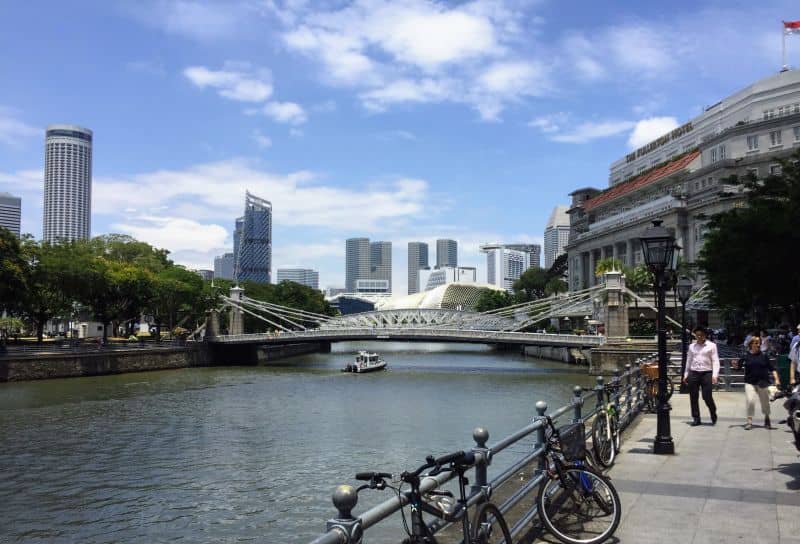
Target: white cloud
x: 175, y: 233
x: 406, y: 90
x: 285, y: 112
x: 236, y: 81
x: 549, y: 123
x: 648, y: 130
x: 14, y: 132
x: 559, y: 128
x: 193, y: 18
x: 261, y: 140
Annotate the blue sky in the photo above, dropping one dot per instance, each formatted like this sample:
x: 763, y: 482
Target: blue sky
x: 403, y: 121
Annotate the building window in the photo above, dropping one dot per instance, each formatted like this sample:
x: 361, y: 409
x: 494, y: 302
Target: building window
x: 775, y: 138
x: 796, y: 134
x: 721, y: 152
x: 713, y: 154
x: 775, y: 169
x: 752, y: 142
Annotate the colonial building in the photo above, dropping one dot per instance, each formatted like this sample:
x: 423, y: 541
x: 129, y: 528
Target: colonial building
x: 680, y: 177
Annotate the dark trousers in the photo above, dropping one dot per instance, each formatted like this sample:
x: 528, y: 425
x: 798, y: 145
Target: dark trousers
x: 701, y: 381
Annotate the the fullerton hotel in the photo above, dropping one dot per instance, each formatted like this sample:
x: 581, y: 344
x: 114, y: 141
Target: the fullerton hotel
x: 679, y: 177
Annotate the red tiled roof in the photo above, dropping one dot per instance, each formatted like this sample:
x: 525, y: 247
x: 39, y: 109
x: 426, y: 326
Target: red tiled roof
x: 642, y: 181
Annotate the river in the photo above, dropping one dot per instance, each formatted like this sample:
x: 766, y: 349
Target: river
x: 248, y: 454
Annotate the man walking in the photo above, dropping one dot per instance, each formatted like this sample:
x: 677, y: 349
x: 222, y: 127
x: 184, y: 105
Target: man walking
x: 702, y: 372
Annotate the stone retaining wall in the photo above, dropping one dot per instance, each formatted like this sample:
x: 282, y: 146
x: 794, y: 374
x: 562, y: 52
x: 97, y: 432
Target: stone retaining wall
x: 578, y: 356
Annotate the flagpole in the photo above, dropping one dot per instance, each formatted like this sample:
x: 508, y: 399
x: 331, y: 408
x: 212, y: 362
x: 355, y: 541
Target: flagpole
x: 783, y: 46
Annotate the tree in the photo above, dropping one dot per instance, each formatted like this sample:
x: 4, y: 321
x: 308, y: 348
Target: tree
x: 531, y: 284
x: 12, y: 269
x: 748, y: 253
x: 560, y: 267
x: 608, y: 265
x: 490, y: 299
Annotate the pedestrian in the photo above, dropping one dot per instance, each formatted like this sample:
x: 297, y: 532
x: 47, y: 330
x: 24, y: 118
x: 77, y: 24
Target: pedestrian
x: 759, y: 373
x: 701, y: 374
x: 794, y: 357
x: 766, y: 342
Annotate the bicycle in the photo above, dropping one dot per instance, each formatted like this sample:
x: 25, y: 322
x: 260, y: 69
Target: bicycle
x: 605, y: 430
x: 487, y: 518
x: 576, y: 503
x: 650, y: 372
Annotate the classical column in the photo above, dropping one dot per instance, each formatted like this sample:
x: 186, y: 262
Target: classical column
x: 592, y: 266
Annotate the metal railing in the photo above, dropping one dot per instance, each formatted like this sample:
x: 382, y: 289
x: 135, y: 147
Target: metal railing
x: 33, y: 350
x: 387, y: 333
x: 628, y: 398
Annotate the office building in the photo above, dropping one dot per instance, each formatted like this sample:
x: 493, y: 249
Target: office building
x: 224, y: 266
x: 368, y: 266
x: 505, y: 263
x: 556, y: 235
x: 10, y: 212
x: 253, y: 243
x: 431, y: 279
x: 534, y: 252
x: 380, y: 262
x: 303, y: 276
x: 357, y: 259
x: 680, y: 177
x: 417, y: 260
x: 446, y: 253
x: 67, y: 213
x: 207, y: 275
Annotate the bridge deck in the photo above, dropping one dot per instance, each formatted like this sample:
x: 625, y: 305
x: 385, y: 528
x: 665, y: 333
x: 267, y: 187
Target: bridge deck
x: 724, y: 484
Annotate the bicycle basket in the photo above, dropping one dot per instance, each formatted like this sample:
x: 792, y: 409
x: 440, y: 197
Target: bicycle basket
x: 650, y: 370
x: 573, y: 441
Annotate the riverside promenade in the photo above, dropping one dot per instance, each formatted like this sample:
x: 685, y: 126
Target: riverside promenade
x: 724, y: 484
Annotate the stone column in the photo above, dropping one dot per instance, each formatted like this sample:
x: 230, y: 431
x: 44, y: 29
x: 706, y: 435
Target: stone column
x: 616, y: 313
x: 629, y: 249
x: 592, y: 266
x: 236, y: 325
x: 212, y: 323
x: 615, y: 251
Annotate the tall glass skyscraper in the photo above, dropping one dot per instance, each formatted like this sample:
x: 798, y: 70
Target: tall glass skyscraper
x: 556, y: 235
x: 380, y: 262
x: 357, y: 257
x: 253, y: 241
x: 67, y: 183
x: 10, y: 212
x: 417, y: 260
x: 446, y: 253
x: 368, y: 266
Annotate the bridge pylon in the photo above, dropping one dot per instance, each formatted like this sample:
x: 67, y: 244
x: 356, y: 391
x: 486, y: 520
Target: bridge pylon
x: 616, y: 308
x: 236, y: 322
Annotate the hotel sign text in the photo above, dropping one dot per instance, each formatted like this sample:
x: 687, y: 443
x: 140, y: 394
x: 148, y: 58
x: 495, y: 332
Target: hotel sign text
x: 655, y: 144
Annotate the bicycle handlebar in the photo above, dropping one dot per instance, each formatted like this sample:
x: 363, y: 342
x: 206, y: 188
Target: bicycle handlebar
x: 367, y: 476
x: 459, y: 458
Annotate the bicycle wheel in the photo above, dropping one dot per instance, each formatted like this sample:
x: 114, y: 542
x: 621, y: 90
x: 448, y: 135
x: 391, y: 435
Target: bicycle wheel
x: 584, y: 508
x: 486, y: 530
x: 602, y: 442
x: 616, y: 434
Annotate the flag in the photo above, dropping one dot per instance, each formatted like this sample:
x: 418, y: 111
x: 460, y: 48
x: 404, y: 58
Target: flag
x: 791, y: 27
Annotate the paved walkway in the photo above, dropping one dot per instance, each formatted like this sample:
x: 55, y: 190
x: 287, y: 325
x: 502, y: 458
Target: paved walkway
x: 723, y: 484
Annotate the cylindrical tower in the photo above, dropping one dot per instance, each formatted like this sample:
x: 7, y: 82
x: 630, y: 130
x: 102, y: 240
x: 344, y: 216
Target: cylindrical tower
x: 67, y: 211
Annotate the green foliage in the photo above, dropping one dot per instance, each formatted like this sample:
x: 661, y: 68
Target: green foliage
x: 639, y: 279
x: 749, y: 252
x: 286, y: 293
x: 608, y: 265
x: 536, y: 283
x: 489, y: 299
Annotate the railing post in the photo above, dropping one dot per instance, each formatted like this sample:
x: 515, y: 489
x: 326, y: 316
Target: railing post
x: 600, y: 390
x: 541, y: 408
x: 345, y: 499
x: 615, y: 395
x: 480, y: 435
x: 577, y: 402
x: 728, y: 373
x: 628, y: 391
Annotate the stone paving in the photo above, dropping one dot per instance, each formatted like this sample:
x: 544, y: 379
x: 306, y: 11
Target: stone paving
x: 724, y: 484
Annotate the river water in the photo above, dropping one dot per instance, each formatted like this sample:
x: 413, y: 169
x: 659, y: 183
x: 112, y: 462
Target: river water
x: 249, y: 453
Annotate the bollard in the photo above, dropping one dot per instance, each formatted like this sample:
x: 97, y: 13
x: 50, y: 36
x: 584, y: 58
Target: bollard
x: 628, y: 391
x: 481, y: 436
x: 577, y: 402
x: 345, y: 499
x: 541, y: 408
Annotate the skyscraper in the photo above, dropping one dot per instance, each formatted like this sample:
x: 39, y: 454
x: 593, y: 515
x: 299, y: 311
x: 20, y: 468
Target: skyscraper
x: 224, y: 265
x: 357, y: 262
x: 417, y: 260
x: 380, y: 262
x: 303, y: 276
x: 67, y: 211
x: 10, y: 212
x: 446, y: 253
x: 253, y: 244
x: 505, y: 263
x: 556, y: 235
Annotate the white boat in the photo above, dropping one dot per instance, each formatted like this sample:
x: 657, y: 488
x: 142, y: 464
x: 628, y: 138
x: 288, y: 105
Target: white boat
x: 365, y: 362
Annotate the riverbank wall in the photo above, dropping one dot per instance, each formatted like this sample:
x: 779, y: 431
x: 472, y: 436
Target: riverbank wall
x: 574, y: 356
x: 46, y: 365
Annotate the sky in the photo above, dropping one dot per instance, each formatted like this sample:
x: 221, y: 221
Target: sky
x: 407, y: 120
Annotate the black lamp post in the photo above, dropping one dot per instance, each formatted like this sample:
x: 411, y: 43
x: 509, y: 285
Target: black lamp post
x: 684, y: 288
x: 658, y: 246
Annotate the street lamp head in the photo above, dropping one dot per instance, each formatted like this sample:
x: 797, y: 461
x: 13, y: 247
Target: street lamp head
x: 684, y: 288
x: 658, y: 246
